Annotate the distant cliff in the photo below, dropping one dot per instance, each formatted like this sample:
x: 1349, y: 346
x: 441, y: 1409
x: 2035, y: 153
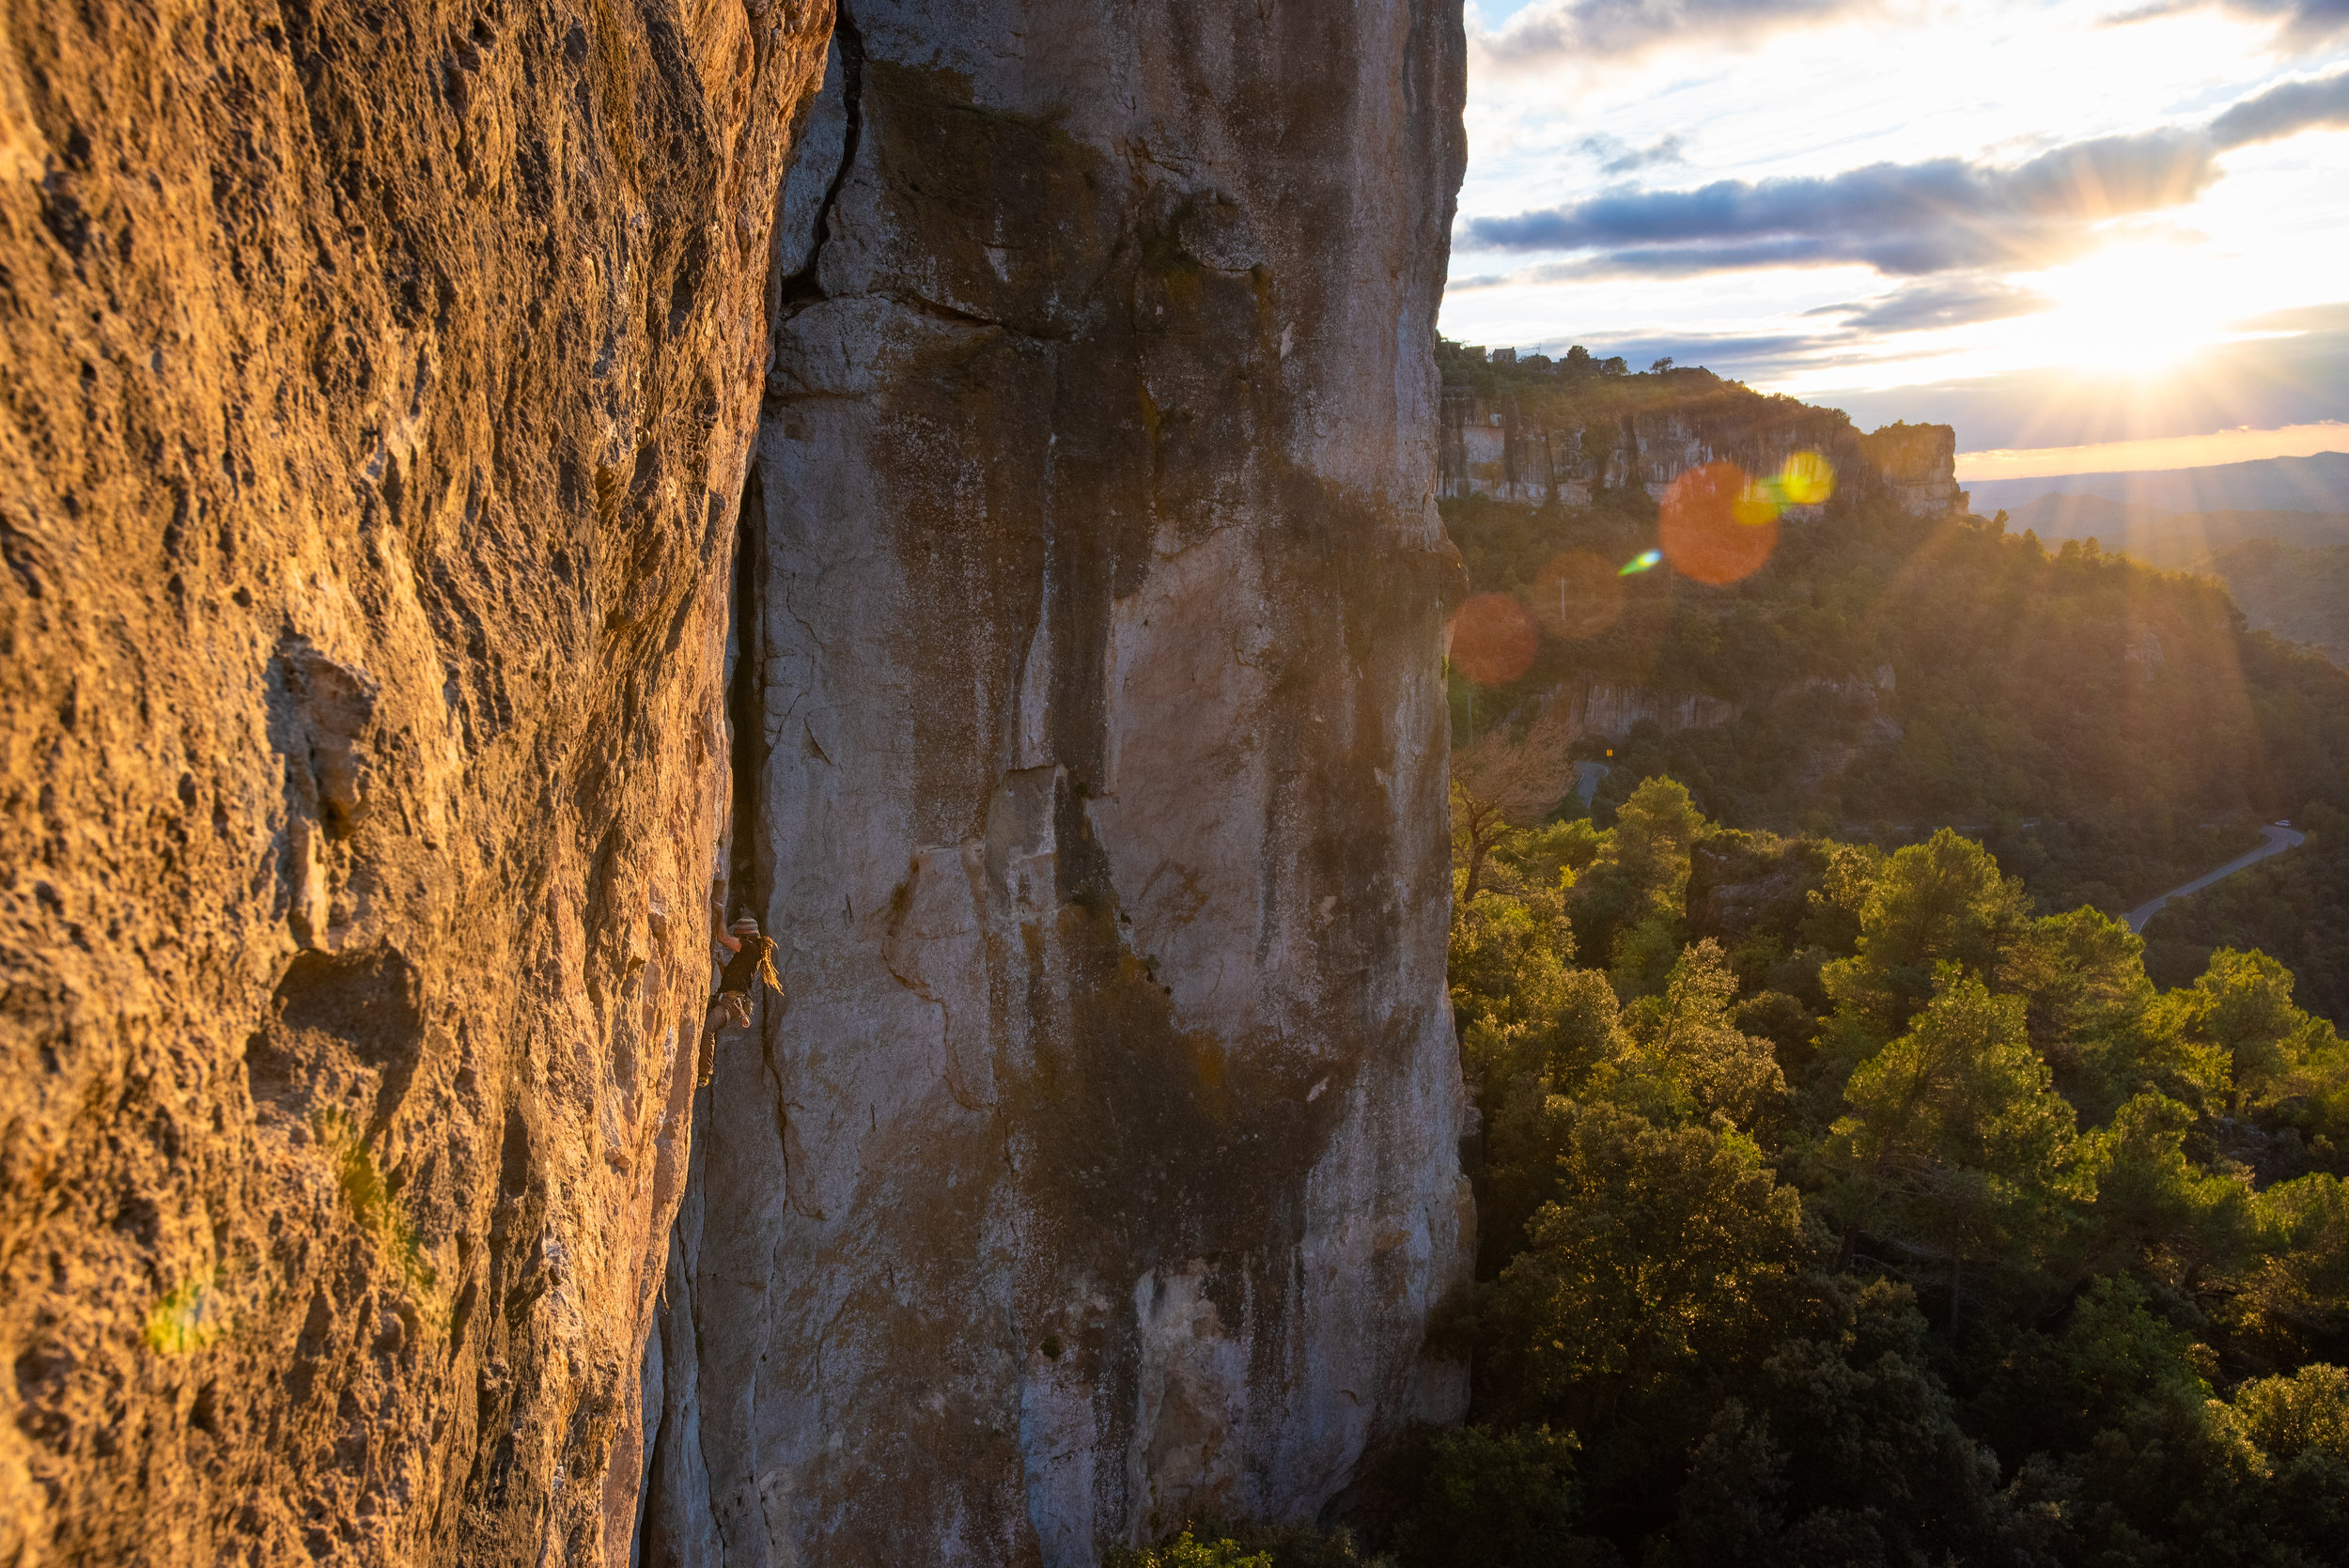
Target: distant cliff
x: 1534, y: 431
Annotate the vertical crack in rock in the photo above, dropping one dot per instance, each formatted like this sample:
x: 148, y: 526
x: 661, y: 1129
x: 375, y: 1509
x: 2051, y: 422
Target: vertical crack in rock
x: 804, y: 284
x: 747, y: 883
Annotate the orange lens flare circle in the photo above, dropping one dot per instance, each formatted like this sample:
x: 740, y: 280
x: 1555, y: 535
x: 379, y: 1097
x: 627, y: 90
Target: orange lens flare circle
x: 1577, y: 594
x: 1704, y: 528
x: 1493, y: 639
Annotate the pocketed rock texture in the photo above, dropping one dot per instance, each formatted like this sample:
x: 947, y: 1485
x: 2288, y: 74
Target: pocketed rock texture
x: 377, y: 386
x: 1103, y: 1168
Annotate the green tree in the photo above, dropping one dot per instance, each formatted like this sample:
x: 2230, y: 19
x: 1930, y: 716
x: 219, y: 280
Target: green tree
x: 1879, y: 1469
x: 2055, y: 1392
x: 1655, y: 831
x: 1688, y: 1057
x: 2241, y: 1010
x: 2154, y: 1208
x: 2086, y: 999
x: 1492, y: 1495
x: 2287, y: 1417
x: 1660, y: 1250
x: 1957, y: 1146
x: 2294, y: 1306
x: 1940, y: 902
x: 1632, y: 901
x: 1509, y: 958
x: 1186, y: 1551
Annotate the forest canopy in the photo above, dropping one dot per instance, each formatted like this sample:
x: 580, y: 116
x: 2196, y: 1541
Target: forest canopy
x: 1885, y: 1219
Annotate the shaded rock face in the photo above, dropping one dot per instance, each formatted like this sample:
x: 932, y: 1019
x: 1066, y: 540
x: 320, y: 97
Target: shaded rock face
x: 1103, y: 1166
x: 376, y: 394
x: 1611, y: 709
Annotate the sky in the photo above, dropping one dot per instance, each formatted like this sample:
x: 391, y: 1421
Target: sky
x: 2088, y: 233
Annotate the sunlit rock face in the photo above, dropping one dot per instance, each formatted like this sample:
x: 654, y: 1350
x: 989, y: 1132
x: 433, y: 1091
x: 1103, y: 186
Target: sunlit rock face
x: 376, y: 390
x: 1493, y: 447
x: 1103, y: 1167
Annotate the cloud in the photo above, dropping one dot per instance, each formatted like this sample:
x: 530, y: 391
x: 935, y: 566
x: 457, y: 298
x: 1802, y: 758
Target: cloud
x: 1910, y: 220
x: 1904, y: 219
x: 1612, y: 30
x: 2302, y: 24
x: 2262, y: 383
x: 2319, y: 103
x: 1617, y: 156
x: 1955, y: 303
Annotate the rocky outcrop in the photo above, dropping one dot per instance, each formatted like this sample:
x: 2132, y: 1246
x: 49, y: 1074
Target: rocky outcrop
x: 1609, y: 709
x: 378, y: 391
x: 1917, y: 467
x: 1524, y: 449
x: 1102, y: 1168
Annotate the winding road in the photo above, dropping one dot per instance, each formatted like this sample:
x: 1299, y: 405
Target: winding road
x: 2279, y: 838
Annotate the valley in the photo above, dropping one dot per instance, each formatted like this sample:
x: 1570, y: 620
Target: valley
x: 803, y: 784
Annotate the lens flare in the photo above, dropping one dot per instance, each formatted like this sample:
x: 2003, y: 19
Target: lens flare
x: 1807, y: 480
x: 1493, y: 639
x: 1644, y: 561
x: 1704, y: 533
x: 1758, y: 505
x: 1575, y: 595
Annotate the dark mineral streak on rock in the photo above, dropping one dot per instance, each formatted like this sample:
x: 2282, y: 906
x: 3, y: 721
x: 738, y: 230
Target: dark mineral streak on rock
x: 1103, y: 1168
x: 377, y: 386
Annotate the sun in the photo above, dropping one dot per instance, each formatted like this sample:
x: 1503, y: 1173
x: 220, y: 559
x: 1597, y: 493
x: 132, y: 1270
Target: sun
x: 2132, y: 308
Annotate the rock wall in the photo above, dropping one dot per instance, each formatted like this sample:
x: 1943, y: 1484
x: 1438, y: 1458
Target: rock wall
x: 1103, y: 1166
x: 1498, y: 448
x: 1611, y: 709
x: 378, y: 389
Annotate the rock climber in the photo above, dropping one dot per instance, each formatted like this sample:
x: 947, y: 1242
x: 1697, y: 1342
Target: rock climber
x: 754, y: 961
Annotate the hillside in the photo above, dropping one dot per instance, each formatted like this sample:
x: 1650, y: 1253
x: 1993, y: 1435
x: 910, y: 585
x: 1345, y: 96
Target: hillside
x: 1847, y: 1193
x: 2300, y: 594
x: 2287, y: 571
x: 2105, y: 725
x: 2168, y: 539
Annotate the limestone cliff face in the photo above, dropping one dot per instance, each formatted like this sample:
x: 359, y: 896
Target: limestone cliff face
x: 376, y: 390
x: 1501, y: 448
x: 1103, y: 1166
x: 1611, y: 709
